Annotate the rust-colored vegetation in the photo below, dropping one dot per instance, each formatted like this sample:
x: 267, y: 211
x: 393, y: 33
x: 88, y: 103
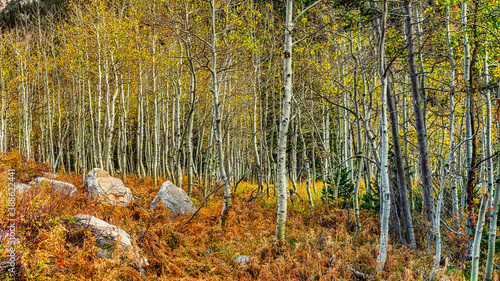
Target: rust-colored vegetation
x: 319, y: 243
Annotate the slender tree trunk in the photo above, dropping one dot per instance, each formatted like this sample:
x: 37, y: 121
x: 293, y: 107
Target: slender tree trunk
x: 217, y: 120
x: 326, y: 157
x: 405, y: 147
x: 469, y: 124
x: 421, y: 131
x: 156, y: 119
x: 110, y: 122
x: 306, y: 164
x: 405, y: 208
x: 3, y: 114
x: 189, y: 141
x: 367, y: 100
x: 419, y: 19
x: 98, y: 102
x: 489, y: 173
x: 454, y: 192
x: 437, y: 231
x: 93, y: 161
x: 294, y: 155
x: 385, y: 191
x: 284, y: 121
x: 359, y: 161
x: 139, y: 127
x: 123, y: 133
x: 494, y: 218
x: 476, y: 246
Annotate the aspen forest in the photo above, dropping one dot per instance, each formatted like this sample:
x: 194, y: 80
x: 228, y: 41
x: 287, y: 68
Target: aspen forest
x: 249, y: 140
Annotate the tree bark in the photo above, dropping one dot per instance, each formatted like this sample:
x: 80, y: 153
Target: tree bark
x: 421, y: 131
x: 284, y: 121
x: 405, y: 208
x: 494, y: 218
x: 454, y: 192
x: 385, y: 190
x: 217, y: 119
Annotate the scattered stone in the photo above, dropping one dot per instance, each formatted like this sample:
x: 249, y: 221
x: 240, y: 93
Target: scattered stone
x: 106, y: 237
x: 58, y: 187
x: 101, y: 185
x: 243, y: 260
x: 174, y: 198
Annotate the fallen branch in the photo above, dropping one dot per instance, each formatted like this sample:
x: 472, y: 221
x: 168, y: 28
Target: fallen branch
x: 357, y: 274
x: 203, y: 203
x: 238, y: 182
x: 322, y: 235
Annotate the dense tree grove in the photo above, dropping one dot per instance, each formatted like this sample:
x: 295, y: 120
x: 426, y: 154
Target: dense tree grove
x: 394, y: 103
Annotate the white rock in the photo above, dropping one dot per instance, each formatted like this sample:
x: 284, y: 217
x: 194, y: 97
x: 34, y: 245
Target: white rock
x: 243, y: 260
x: 174, y: 198
x: 107, y: 233
x: 58, y: 186
x: 101, y: 185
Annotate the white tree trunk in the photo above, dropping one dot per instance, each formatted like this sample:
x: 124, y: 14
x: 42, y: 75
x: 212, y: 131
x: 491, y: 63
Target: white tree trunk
x: 139, y: 128
x: 217, y: 120
x: 156, y: 118
x: 3, y: 114
x: 422, y: 137
x: 476, y: 246
x: 284, y: 121
x: 494, y: 218
x: 489, y: 173
x: 437, y: 223
x: 454, y: 192
x: 468, y: 121
x: 385, y: 191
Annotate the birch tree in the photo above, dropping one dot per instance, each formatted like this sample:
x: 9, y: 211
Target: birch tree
x: 216, y: 116
x: 470, y: 142
x: 454, y: 192
x: 494, y: 218
x: 422, y: 140
x: 401, y: 178
x: 3, y: 110
x: 285, y: 118
x: 487, y: 187
x: 385, y: 191
x: 284, y: 121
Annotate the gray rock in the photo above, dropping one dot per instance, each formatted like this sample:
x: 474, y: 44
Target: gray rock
x: 107, y: 235
x: 101, y: 185
x: 243, y: 260
x: 174, y: 198
x: 58, y: 187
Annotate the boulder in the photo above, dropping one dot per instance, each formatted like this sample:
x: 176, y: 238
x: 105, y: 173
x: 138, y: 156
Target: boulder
x: 174, y: 198
x: 107, y: 237
x: 101, y: 185
x: 58, y: 187
x: 243, y: 260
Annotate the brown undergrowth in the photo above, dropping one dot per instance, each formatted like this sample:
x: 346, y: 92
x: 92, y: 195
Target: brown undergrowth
x: 319, y: 242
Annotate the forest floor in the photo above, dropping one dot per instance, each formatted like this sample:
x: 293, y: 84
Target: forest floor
x: 320, y: 243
